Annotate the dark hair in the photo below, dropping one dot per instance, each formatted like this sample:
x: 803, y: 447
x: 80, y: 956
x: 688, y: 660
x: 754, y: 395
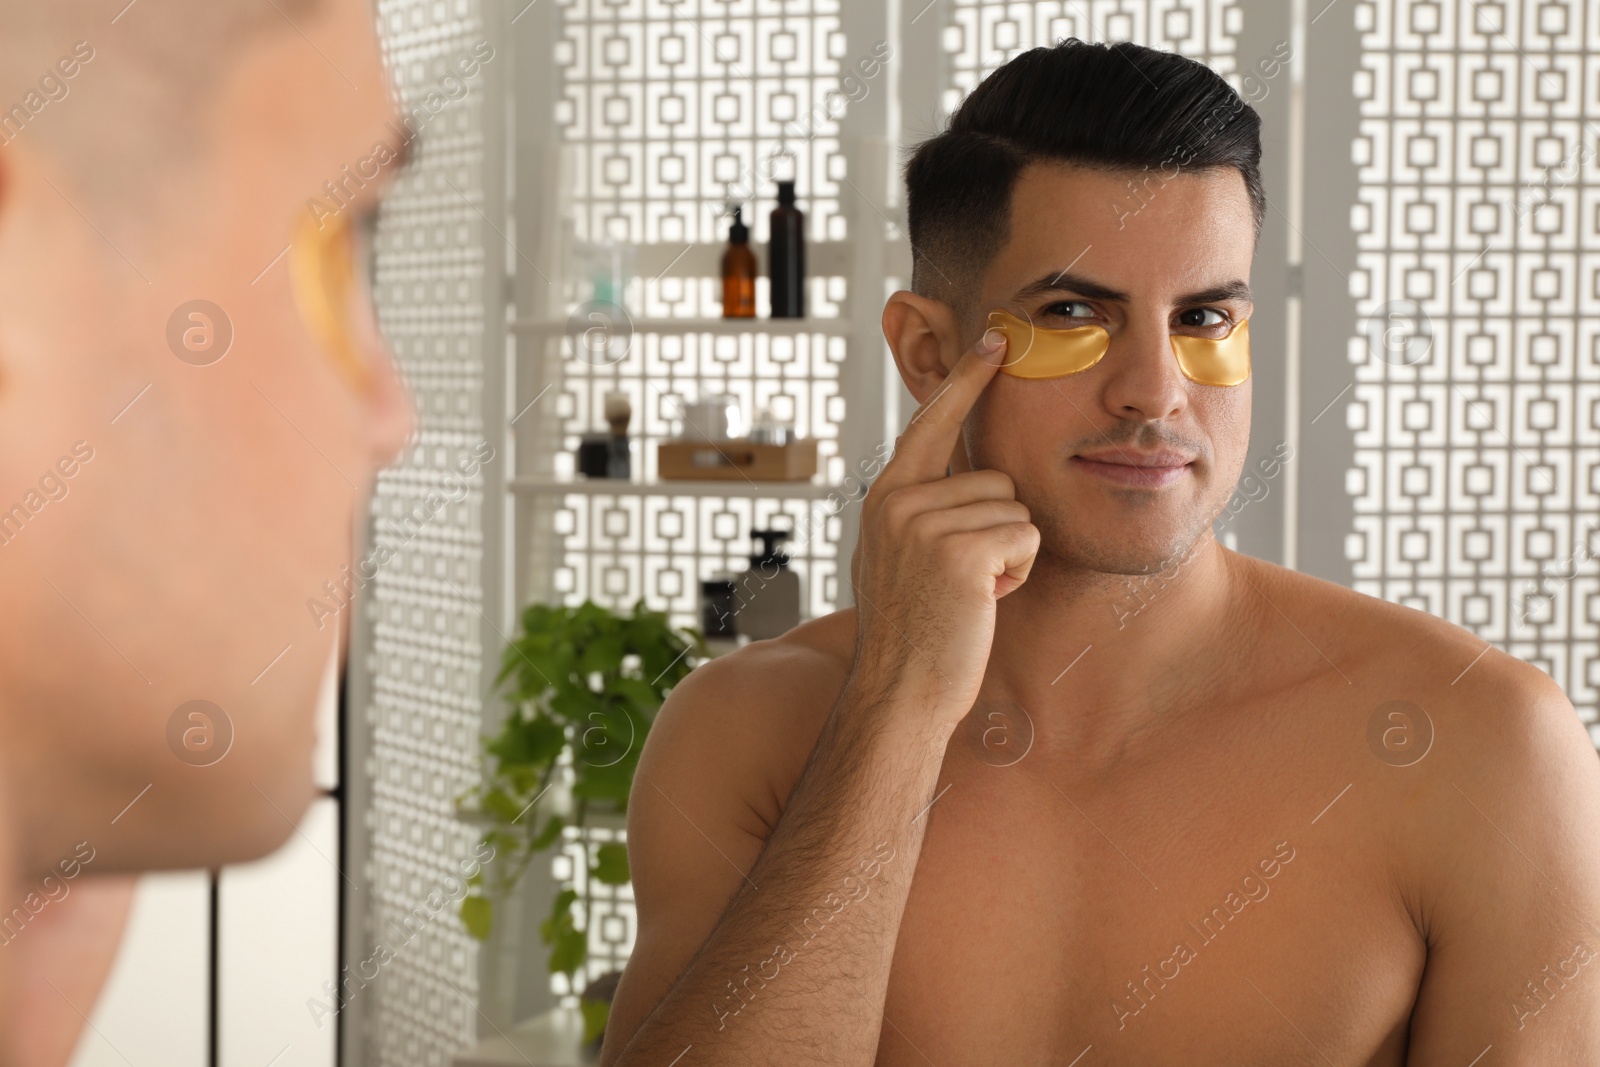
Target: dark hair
x: 1110, y: 107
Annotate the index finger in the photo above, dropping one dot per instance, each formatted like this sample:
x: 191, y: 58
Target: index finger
x: 923, y: 451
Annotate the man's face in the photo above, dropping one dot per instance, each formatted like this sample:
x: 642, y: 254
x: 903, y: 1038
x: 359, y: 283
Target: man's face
x: 1083, y: 251
x: 220, y: 496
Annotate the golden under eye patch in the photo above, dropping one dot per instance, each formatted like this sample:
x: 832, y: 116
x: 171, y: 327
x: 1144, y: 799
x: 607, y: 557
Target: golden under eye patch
x: 1215, y: 360
x: 322, y: 270
x: 1036, y: 352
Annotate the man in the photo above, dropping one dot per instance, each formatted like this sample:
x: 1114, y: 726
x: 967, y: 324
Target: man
x: 176, y: 478
x: 1017, y: 807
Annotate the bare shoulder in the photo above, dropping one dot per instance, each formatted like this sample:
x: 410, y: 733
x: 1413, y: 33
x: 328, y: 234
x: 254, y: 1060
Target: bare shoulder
x: 755, y: 713
x: 1403, y: 649
x: 1472, y: 786
x: 1484, y: 777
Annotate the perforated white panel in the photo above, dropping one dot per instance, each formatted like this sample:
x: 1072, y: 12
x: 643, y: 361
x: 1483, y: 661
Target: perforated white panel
x: 425, y: 662
x: 610, y: 913
x: 675, y: 106
x: 656, y: 544
x: 1476, y: 406
x: 669, y: 111
x: 983, y: 34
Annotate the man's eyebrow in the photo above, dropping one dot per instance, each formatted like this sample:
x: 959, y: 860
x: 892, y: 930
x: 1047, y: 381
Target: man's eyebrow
x: 1217, y: 294
x: 1076, y: 284
x: 1066, y: 282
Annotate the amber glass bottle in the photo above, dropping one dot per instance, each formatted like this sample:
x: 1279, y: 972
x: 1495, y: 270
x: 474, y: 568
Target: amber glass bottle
x: 738, y: 272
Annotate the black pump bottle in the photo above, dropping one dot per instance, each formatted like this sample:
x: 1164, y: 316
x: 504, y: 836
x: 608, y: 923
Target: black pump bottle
x: 786, y: 259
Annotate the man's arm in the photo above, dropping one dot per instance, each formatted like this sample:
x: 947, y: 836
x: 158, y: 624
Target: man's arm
x: 796, y: 969
x: 1512, y: 894
x: 784, y: 956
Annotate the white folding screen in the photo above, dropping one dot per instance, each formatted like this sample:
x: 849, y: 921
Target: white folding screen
x: 429, y: 623
x: 664, y: 113
x: 1476, y: 400
x: 656, y: 117
x: 980, y: 35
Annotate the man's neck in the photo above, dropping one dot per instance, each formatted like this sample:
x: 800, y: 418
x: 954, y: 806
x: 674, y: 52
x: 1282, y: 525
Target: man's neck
x: 1096, y: 657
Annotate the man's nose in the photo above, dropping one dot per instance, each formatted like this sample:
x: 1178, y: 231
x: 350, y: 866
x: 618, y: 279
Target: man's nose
x: 392, y: 411
x: 1145, y: 380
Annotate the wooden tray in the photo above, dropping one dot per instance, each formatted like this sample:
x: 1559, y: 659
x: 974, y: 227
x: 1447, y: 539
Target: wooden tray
x: 737, y: 459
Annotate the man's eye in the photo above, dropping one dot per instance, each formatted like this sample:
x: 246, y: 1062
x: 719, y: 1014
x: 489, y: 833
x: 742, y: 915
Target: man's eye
x: 1068, y: 309
x: 1199, y: 317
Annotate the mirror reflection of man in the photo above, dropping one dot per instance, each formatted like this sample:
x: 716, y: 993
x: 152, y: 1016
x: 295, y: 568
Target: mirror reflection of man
x: 985, y: 816
x: 191, y: 415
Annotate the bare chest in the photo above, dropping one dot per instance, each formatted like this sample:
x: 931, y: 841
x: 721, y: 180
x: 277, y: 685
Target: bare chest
x: 1214, y: 910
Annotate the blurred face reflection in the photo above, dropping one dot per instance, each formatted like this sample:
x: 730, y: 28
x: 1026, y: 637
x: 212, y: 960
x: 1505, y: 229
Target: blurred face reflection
x: 192, y: 413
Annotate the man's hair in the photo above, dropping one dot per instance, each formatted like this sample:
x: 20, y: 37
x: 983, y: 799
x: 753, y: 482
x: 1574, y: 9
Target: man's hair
x: 1118, y: 107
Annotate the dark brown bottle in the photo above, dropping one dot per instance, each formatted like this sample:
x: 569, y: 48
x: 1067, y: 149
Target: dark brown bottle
x: 786, y: 263
x: 738, y: 272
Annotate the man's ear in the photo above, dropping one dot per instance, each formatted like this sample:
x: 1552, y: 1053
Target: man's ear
x: 925, y: 339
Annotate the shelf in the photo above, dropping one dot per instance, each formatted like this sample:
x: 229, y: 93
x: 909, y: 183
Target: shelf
x: 549, y: 1039
x: 720, y: 327
x: 617, y: 487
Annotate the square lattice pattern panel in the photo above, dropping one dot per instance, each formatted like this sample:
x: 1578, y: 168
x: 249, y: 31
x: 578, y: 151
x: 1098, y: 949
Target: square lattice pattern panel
x: 1476, y: 407
x: 425, y: 661
x: 982, y: 35
x: 668, y: 111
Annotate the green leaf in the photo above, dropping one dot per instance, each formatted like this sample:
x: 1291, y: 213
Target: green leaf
x: 609, y: 784
x: 477, y: 914
x: 606, y: 736
x: 560, y: 914
x: 536, y: 740
x: 611, y: 864
x: 590, y: 615
x: 604, y: 654
x: 639, y: 693
x: 498, y: 802
x: 569, y: 952
x: 551, y: 831
x: 574, y: 704
x: 586, y: 681
x: 568, y: 945
x: 595, y: 1013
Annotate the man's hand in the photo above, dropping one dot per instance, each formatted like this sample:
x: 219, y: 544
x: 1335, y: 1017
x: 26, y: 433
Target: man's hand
x: 936, y: 553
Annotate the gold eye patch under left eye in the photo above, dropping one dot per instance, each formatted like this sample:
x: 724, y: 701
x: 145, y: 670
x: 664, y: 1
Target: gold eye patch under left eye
x: 322, y: 272
x: 1036, y: 352
x: 1215, y: 360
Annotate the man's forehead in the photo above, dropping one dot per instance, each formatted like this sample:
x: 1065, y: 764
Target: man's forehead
x: 1084, y: 231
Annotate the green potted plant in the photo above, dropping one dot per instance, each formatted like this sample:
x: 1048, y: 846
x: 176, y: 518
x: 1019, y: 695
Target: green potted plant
x: 583, y: 685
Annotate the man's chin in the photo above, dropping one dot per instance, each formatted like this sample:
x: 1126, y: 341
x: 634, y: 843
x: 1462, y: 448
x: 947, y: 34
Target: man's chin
x: 1121, y: 554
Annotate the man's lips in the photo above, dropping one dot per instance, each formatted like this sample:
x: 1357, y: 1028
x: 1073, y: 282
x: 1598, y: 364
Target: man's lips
x: 1128, y: 467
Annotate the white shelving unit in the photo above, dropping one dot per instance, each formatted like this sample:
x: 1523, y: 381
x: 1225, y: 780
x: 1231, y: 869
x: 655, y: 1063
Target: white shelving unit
x: 536, y: 487
x: 591, y: 86
x: 719, y: 327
